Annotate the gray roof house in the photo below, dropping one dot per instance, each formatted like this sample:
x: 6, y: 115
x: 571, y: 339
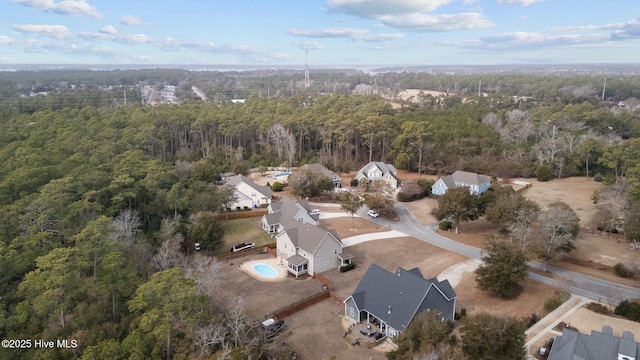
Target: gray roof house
x: 379, y: 171
x: 319, y: 169
x: 248, y: 193
x: 286, y: 213
x: 308, y: 249
x: 572, y: 345
x: 476, y: 183
x: 392, y: 300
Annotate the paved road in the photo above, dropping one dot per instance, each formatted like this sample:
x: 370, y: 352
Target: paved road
x: 583, y: 285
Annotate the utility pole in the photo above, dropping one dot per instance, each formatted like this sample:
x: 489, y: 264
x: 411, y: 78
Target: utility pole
x: 604, y: 87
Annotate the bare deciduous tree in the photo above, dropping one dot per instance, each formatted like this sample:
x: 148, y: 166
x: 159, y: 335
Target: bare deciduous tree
x: 169, y: 254
x: 208, y: 337
x: 128, y: 224
x: 236, y: 320
x: 283, y: 142
x: 557, y: 228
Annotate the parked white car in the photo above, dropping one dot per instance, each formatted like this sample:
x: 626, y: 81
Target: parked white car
x: 314, y: 212
x: 373, y: 213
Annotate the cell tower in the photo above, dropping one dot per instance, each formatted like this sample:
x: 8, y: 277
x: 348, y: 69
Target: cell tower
x: 306, y: 69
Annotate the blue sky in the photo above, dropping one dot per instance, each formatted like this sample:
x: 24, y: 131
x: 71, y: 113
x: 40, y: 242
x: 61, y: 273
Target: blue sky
x: 335, y: 32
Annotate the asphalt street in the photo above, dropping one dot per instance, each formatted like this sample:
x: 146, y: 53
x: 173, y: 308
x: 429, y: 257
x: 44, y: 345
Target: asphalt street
x: 579, y: 284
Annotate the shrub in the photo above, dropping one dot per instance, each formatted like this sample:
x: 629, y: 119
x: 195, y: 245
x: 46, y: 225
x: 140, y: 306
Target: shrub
x: 461, y: 315
x: 543, y: 173
x: 622, y: 271
x: 245, y: 207
x: 354, y: 182
x: 629, y: 310
x: 598, y: 178
x: 345, y: 268
x: 238, y: 208
x: 411, y: 191
x: 444, y: 225
x: 556, y: 300
x: 277, y: 186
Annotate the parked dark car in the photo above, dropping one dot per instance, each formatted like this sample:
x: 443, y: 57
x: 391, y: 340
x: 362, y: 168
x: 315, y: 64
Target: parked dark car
x: 242, y: 246
x: 272, y: 327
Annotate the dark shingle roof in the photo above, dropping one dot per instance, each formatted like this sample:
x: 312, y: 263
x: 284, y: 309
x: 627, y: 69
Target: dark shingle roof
x: 395, y: 298
x: 572, y: 345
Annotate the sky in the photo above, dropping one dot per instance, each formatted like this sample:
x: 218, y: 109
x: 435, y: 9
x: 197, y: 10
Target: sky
x: 333, y: 32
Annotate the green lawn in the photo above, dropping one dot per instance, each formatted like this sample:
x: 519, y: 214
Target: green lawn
x: 244, y: 230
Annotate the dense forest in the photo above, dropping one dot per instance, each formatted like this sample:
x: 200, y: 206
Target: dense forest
x: 100, y: 201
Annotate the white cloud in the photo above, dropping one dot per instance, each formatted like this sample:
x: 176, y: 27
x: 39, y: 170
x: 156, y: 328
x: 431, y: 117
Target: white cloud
x: 53, y: 31
x: 110, y: 30
x: 437, y: 23
x: 381, y: 37
x: 308, y: 45
x: 4, y: 40
x: 518, y: 2
x: 414, y: 15
x: 348, y: 33
x: 66, y: 7
x: 131, y: 20
x: 331, y: 32
x: 134, y: 38
x: 530, y: 40
x: 372, y: 9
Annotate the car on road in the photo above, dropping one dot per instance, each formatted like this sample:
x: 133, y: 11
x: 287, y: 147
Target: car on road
x: 242, y: 246
x: 373, y: 213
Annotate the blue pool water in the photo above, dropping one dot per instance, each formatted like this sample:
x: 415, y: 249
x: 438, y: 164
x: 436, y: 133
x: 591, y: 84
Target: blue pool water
x: 281, y: 175
x: 265, y: 270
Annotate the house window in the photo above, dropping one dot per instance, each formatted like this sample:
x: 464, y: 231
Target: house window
x: 351, y: 312
x: 253, y: 194
x: 285, y: 245
x: 335, y: 251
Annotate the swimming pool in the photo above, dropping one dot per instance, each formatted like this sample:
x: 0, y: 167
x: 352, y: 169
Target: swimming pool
x: 283, y: 174
x: 265, y: 270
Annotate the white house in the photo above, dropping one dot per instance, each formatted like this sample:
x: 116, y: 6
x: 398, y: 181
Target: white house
x: 476, y: 183
x: 248, y: 194
x: 379, y: 171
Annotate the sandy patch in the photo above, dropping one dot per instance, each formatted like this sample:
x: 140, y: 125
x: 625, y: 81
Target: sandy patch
x: 575, y: 191
x: 274, y: 263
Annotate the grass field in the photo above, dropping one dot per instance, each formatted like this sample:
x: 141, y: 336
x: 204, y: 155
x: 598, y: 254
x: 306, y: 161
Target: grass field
x: 244, y: 230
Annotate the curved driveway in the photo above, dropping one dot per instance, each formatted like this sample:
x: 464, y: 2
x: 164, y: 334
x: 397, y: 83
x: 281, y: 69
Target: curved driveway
x: 580, y: 284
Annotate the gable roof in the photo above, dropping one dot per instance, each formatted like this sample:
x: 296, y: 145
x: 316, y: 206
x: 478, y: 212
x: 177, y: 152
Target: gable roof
x: 397, y: 297
x: 308, y: 237
x: 471, y: 178
x: 235, y: 180
x: 285, y: 210
x: 386, y: 169
x: 572, y: 345
x: 318, y: 168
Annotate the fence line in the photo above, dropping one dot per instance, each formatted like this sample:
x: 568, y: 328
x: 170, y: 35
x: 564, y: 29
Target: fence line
x: 604, y: 234
x: 300, y: 305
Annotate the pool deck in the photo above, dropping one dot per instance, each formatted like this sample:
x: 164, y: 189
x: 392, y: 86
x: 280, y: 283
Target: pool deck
x: 247, y: 266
